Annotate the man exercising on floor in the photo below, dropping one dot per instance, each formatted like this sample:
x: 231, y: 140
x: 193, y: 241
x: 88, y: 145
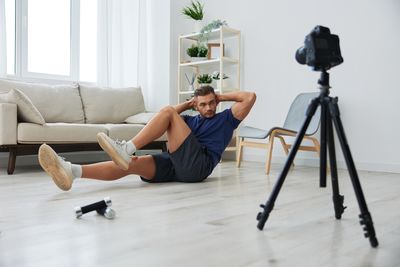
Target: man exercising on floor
x: 195, y: 144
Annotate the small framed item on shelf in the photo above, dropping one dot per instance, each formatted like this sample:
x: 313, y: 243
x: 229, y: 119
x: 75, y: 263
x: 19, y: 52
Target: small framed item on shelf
x: 214, y: 50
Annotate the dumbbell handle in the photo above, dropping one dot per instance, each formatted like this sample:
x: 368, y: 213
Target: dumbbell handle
x: 79, y: 211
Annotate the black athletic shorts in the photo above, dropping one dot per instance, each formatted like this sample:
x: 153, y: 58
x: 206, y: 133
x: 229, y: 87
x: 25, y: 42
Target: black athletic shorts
x: 190, y: 163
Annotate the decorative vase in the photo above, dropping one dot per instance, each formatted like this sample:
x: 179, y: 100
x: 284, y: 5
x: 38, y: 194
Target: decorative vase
x: 218, y: 84
x: 198, y: 25
x: 190, y: 88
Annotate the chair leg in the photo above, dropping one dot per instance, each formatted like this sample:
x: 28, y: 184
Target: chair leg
x: 269, y: 154
x: 285, y: 147
x: 318, y: 151
x: 316, y: 145
x: 12, y: 158
x: 239, y: 152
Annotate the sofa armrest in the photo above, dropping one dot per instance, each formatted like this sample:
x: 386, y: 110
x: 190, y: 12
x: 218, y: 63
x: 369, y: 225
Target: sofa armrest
x: 8, y: 124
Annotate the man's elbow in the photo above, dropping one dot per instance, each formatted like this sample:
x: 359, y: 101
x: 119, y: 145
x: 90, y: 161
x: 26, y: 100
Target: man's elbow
x: 252, y: 98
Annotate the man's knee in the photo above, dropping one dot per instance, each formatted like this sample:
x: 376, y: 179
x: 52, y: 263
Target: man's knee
x: 168, y: 110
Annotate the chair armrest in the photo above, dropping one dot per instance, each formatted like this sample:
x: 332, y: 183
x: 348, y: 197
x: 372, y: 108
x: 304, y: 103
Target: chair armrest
x: 8, y: 124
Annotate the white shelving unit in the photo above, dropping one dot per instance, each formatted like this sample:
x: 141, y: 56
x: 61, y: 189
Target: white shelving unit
x: 227, y: 62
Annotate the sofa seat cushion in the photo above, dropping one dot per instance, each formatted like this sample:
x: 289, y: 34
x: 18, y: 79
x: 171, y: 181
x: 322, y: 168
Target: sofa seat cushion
x: 59, y: 133
x: 127, y: 131
x: 140, y: 118
x: 110, y: 105
x: 56, y: 103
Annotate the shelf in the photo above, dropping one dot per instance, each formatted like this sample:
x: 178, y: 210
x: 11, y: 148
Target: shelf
x: 210, y: 62
x: 214, y: 34
x: 230, y: 58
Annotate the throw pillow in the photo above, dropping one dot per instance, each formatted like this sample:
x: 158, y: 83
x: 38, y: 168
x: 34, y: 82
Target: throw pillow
x: 26, y: 111
x: 141, y: 118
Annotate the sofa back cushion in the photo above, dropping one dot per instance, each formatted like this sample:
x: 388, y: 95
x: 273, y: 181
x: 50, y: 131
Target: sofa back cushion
x: 56, y: 103
x: 111, y: 105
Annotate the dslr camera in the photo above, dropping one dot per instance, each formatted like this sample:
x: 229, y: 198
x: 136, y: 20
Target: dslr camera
x: 321, y: 50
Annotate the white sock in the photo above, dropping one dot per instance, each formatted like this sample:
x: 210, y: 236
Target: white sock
x: 130, y: 147
x: 76, y: 170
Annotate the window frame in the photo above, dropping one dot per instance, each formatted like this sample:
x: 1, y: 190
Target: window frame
x: 21, y: 44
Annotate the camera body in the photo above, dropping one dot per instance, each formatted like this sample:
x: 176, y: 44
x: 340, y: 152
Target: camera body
x: 321, y: 50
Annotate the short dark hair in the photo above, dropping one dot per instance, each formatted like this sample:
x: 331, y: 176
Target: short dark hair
x: 204, y: 90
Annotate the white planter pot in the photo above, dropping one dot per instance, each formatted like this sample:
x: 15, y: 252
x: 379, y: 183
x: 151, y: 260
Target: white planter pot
x: 204, y: 84
x: 196, y: 59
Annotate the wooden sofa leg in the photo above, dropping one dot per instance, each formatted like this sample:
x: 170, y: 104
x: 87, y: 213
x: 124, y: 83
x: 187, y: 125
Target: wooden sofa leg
x: 11, y: 160
x: 164, y: 147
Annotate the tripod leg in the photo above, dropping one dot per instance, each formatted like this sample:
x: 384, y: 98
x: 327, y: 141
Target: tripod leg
x: 337, y: 198
x: 322, y: 155
x: 365, y: 216
x: 269, y: 205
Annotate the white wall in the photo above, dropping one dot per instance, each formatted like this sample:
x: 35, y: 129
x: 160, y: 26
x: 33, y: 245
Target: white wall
x: 367, y: 83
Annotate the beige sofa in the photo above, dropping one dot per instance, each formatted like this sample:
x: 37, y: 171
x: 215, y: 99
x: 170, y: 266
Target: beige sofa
x: 67, y: 117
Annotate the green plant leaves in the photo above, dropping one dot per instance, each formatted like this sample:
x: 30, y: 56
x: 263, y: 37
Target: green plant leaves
x: 194, y: 10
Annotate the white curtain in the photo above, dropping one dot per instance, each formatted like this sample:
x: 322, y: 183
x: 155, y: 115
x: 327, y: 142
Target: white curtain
x: 3, y: 42
x: 118, y: 42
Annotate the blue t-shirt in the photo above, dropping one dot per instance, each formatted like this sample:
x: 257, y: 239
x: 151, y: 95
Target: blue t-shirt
x: 213, y: 133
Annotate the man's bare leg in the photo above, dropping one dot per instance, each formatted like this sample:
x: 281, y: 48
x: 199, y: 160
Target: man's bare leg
x: 64, y: 172
x: 167, y: 120
x: 108, y: 171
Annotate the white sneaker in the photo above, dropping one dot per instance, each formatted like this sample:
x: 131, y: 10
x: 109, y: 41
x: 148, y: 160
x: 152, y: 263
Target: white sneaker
x: 56, y: 167
x: 115, y: 149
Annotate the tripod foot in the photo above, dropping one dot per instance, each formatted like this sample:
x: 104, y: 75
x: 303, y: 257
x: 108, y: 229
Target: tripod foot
x: 369, y: 231
x: 338, y: 204
x: 263, y: 216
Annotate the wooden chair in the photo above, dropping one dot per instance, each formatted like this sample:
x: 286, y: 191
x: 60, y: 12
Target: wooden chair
x: 293, y: 122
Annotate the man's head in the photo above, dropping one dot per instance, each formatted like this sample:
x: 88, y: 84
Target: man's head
x: 205, y: 101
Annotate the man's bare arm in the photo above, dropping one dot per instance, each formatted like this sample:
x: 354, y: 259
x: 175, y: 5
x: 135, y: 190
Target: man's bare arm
x: 244, y: 102
x: 184, y: 106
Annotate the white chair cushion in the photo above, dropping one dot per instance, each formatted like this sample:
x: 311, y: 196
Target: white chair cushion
x: 56, y: 103
x: 141, y: 118
x: 252, y: 132
x: 59, y: 133
x: 111, y: 105
x: 26, y: 111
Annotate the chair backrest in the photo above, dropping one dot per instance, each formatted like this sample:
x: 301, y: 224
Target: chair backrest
x: 297, y: 114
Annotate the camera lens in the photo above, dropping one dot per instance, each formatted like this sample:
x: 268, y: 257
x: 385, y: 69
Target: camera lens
x: 301, y: 55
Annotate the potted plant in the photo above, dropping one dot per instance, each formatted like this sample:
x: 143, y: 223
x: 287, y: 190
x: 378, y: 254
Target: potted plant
x: 197, y: 52
x: 217, y: 76
x: 205, y: 31
x: 195, y: 11
x: 204, y: 79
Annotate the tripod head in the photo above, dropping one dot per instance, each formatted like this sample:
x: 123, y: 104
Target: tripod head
x: 323, y: 82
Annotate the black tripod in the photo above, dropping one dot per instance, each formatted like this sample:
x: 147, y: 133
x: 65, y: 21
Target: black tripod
x: 329, y: 113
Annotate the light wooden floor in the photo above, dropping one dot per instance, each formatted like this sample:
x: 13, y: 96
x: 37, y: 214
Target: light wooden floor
x: 207, y: 224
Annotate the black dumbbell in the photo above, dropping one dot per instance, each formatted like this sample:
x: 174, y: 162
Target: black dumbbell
x: 102, y: 207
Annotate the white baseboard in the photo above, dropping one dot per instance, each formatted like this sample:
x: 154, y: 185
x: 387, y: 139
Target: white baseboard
x: 341, y: 164
x: 96, y: 156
